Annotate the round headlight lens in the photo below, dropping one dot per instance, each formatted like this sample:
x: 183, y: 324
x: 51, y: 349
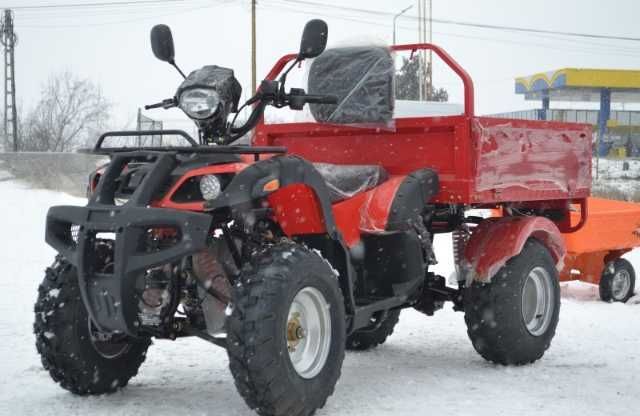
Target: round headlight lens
x: 200, y: 103
x: 210, y: 187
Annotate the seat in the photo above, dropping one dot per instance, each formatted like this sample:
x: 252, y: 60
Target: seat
x: 345, y: 181
x: 362, y: 80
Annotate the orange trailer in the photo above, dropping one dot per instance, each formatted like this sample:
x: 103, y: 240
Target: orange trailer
x: 594, y: 252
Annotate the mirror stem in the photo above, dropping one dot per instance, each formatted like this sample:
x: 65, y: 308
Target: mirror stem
x: 173, y: 64
x: 283, y: 77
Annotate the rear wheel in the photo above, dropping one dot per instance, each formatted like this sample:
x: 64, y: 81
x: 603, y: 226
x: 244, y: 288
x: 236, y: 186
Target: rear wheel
x: 618, y: 282
x: 286, y: 333
x: 382, y: 325
x: 513, y: 319
x: 80, y: 358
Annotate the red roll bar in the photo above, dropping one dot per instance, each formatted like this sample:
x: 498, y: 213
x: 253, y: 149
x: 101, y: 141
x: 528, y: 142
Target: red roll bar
x: 452, y: 63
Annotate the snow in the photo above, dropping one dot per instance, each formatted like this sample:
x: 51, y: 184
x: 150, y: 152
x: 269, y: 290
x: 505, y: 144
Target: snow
x: 612, y: 179
x: 613, y: 168
x: 428, y: 366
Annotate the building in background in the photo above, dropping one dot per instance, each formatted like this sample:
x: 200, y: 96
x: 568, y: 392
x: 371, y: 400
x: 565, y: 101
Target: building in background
x: 618, y: 132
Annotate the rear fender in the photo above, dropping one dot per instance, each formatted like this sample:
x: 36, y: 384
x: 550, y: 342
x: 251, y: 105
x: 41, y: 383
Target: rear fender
x: 496, y: 240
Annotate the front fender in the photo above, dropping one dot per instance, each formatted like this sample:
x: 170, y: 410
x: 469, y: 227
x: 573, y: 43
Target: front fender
x: 496, y: 240
x: 291, y: 172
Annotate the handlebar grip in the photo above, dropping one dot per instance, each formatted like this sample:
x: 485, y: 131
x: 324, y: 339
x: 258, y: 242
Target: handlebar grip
x: 321, y: 99
x: 166, y: 104
x: 152, y: 106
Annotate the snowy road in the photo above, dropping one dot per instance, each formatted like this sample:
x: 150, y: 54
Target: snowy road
x: 428, y: 367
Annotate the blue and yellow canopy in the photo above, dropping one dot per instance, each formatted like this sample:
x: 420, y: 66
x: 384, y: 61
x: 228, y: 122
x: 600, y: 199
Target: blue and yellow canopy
x: 574, y: 84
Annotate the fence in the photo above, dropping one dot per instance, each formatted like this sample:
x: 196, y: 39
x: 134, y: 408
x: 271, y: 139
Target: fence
x: 618, y: 117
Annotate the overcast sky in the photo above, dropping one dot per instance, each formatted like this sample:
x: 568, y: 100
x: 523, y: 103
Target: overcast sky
x: 110, y: 45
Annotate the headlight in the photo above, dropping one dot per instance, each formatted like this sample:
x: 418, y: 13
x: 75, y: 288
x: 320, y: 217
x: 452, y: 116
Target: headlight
x: 200, y: 103
x: 210, y: 187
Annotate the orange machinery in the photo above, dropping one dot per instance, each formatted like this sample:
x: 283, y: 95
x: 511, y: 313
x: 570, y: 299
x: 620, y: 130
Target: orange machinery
x: 612, y: 228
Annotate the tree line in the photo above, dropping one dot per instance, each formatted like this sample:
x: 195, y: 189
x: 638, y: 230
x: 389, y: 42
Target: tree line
x: 70, y: 113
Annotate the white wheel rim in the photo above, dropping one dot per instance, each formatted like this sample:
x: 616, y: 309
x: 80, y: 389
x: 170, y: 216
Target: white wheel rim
x: 308, y: 332
x: 620, y: 284
x: 537, y: 301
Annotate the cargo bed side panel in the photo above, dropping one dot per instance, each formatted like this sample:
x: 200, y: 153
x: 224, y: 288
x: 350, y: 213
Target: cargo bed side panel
x: 519, y: 160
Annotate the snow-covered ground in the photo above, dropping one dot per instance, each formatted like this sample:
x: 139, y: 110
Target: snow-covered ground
x: 612, y: 179
x: 428, y: 366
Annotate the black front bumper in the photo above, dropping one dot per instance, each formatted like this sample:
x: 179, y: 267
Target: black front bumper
x: 111, y: 298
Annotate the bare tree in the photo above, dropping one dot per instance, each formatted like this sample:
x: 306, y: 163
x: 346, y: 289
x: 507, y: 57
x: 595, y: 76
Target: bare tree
x: 69, y: 111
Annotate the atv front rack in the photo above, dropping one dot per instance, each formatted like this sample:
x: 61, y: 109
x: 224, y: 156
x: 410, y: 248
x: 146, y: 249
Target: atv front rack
x: 193, y: 147
x: 109, y: 293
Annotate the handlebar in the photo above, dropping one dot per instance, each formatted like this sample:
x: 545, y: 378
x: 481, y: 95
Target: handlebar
x: 297, y: 98
x: 320, y: 99
x: 270, y: 93
x: 166, y: 104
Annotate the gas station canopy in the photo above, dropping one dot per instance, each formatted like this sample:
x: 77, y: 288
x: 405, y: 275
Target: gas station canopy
x: 583, y: 85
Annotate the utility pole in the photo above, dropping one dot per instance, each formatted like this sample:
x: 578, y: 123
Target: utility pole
x: 253, y: 47
x: 139, y: 125
x: 430, y: 63
x: 9, y: 39
x: 421, y: 57
x: 425, y: 65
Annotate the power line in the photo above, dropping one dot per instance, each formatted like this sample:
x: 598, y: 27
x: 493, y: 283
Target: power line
x: 589, y: 48
x: 467, y: 24
x: 98, y: 4
x: 163, y: 13
x: 541, y: 31
x: 87, y: 15
x: 118, y: 22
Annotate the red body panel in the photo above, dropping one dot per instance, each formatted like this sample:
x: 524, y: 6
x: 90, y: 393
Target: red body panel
x: 167, y: 202
x: 366, y: 212
x: 297, y: 209
x: 375, y: 212
x: 347, y: 215
x: 496, y: 240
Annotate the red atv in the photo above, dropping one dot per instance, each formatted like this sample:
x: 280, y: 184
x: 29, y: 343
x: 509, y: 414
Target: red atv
x: 312, y: 239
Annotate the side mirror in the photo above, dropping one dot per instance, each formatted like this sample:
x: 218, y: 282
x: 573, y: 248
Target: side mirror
x: 314, y: 39
x: 162, y: 43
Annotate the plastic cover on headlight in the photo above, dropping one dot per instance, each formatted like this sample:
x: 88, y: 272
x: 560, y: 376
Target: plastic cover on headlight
x: 196, y: 93
x: 200, y: 103
x: 210, y: 187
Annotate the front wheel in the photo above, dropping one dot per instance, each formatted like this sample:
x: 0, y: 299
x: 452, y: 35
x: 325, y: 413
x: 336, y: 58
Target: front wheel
x: 286, y: 333
x: 617, y: 282
x: 512, y: 319
x: 83, y: 360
